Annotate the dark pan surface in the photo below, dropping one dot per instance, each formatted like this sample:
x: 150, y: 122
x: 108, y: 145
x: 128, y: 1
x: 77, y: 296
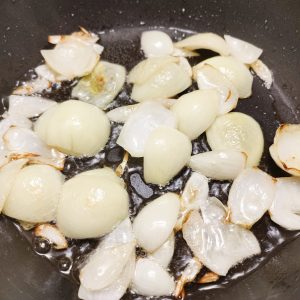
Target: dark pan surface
x: 25, y: 26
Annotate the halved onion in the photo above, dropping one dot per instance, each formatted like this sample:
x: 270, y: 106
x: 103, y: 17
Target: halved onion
x: 91, y: 205
x: 285, y: 149
x: 105, y: 265
x: 220, y: 165
x: 155, y: 222
x: 122, y: 113
x: 141, y: 123
x: 285, y: 208
x: 156, y: 43
x: 237, y: 131
x: 24, y: 143
x: 34, y: 194
x: 250, y: 196
x: 102, y: 85
x: 219, y: 246
x: 167, y: 151
x: 28, y: 106
x: 214, y: 211
x: 263, y: 72
x: 43, y: 71
x: 235, y: 71
x: 208, y: 77
x: 74, y: 55
x: 8, y: 173
x: 208, y: 40
x: 243, y: 51
x: 163, y: 255
x: 196, y: 111
x: 151, y: 279
x: 74, y: 127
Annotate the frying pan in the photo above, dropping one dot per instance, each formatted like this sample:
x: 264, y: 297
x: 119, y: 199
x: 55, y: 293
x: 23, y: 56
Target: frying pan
x: 272, y: 25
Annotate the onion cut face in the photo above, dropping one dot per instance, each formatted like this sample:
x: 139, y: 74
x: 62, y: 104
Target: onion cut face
x: 151, y: 279
x: 74, y: 127
x: 101, y: 86
x: 235, y: 71
x: 141, y: 123
x: 34, y: 194
x: 237, y: 131
x: 285, y: 149
x: 208, y: 77
x: 220, y: 165
x: 263, y: 72
x: 241, y: 50
x: 74, y: 55
x: 91, y: 204
x: 167, y: 151
x: 250, y: 196
x: 155, y: 222
x: 219, y: 246
x: 209, y: 41
x: 196, y: 111
x: 156, y: 43
x: 285, y: 208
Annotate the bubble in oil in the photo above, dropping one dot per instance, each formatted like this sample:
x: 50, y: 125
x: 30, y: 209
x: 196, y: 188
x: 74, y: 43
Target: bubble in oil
x: 41, y: 245
x: 64, y: 263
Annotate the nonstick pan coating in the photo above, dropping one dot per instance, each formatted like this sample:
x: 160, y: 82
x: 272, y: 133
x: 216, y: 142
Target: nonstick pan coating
x: 272, y: 25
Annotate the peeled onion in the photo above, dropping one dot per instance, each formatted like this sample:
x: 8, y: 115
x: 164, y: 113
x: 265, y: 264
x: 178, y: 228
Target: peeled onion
x: 285, y: 149
x: 141, y: 123
x: 286, y: 204
x: 208, y: 77
x: 263, y: 72
x: 243, y: 51
x: 220, y: 165
x: 34, y: 194
x: 155, y: 222
x: 43, y: 71
x: 91, y: 205
x: 237, y: 131
x: 102, y: 85
x: 156, y: 43
x: 74, y: 127
x: 196, y: 111
x: 167, y: 151
x: 122, y: 113
x: 250, y: 196
x: 235, y: 71
x: 208, y: 40
x: 151, y: 279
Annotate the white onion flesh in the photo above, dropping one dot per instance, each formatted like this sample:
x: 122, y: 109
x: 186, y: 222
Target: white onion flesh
x: 285, y: 208
x: 151, y: 279
x: 250, y: 196
x: 34, y: 194
x: 28, y: 106
x: 52, y: 234
x: 182, y: 52
x: 43, y: 71
x: 208, y: 40
x: 237, y: 131
x: 214, y: 211
x: 263, y: 72
x: 101, y: 86
x: 219, y: 246
x: 184, y: 63
x: 163, y: 255
x: 167, y: 151
x: 106, y: 263
x: 220, y: 165
x: 243, y: 51
x: 208, y: 77
x: 235, y: 71
x: 141, y: 123
x: 8, y: 173
x: 285, y: 149
x: 73, y: 56
x: 156, y: 43
x: 74, y: 127
x: 196, y: 111
x: 91, y: 205
x: 155, y: 222
x: 116, y: 289
x: 23, y: 142
x: 33, y: 86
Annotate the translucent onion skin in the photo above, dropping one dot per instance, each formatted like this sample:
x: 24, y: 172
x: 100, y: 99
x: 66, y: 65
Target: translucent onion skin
x: 74, y: 127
